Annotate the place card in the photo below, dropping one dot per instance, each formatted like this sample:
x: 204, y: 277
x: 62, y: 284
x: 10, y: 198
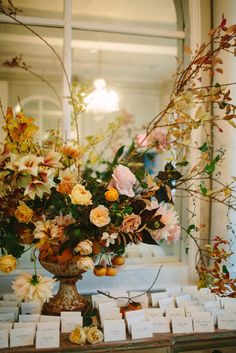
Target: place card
x: 7, y: 317
x: 134, y: 316
x: 153, y: 312
x: 6, y: 326
x: 190, y: 289
x: 25, y: 324
x: 211, y: 304
x: 141, y: 329
x: 140, y: 298
x: 21, y: 337
x: 71, y: 314
x: 47, y: 339
x: 8, y: 303
x: 100, y: 298
x: 122, y: 297
x: 182, y: 325
x: 156, y: 296
x: 227, y: 302
x: 49, y: 326
x: 9, y: 296
x: 215, y: 312
x: 227, y: 322
x: 160, y: 324
x: 173, y: 291
x: 68, y: 323
x: 166, y: 303
x: 49, y: 318
x: 10, y: 309
x: 182, y: 298
x: 30, y: 308
x: 4, y: 338
x: 201, y: 315
x: 203, y: 298
x: 189, y: 309
x: 173, y: 312
x: 29, y: 318
x: 203, y: 324
x: 114, y: 330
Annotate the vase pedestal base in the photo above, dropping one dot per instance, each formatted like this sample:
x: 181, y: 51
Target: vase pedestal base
x: 66, y: 299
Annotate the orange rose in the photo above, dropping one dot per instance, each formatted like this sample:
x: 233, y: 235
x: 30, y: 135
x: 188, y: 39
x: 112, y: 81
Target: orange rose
x: 111, y: 195
x: 23, y: 213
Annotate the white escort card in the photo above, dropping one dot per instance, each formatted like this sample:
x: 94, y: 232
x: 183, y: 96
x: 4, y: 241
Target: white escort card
x: 203, y: 325
x: 156, y: 296
x: 141, y: 329
x: 182, y: 325
x: 190, y: 290
x: 215, y: 312
x: 4, y: 338
x: 68, y: 323
x: 173, y: 312
x: 30, y: 308
x: 9, y: 296
x: 71, y: 314
x: 140, y: 298
x: 49, y: 318
x: 166, y: 303
x: 29, y: 318
x: 21, y: 337
x: 114, y: 330
x: 122, y: 297
x: 25, y: 324
x: 5, y: 326
x: 134, y: 316
x: 7, y: 317
x: 100, y: 298
x: 48, y: 326
x: 8, y: 303
x: 227, y: 322
x: 189, y: 309
x: 201, y: 315
x: 160, y: 324
x: 153, y: 312
x: 173, y: 291
x: 182, y: 298
x: 47, y: 339
x: 211, y: 304
x: 10, y: 309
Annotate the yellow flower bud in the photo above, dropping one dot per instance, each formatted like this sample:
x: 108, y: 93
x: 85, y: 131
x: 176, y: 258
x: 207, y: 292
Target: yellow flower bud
x: 111, y: 195
x: 7, y: 263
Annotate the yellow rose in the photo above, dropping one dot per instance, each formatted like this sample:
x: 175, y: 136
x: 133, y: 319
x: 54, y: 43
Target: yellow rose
x: 94, y: 335
x: 111, y: 195
x: 80, y: 196
x: 100, y: 216
x: 7, y: 263
x: 23, y: 213
x: 78, y: 335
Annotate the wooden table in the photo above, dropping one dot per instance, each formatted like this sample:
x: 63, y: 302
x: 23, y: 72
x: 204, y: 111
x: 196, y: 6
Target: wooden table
x: 224, y: 341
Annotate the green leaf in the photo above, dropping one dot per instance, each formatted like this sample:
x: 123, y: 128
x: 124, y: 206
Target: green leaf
x: 190, y: 228
x: 182, y: 164
x: 203, y: 189
x: 210, y: 168
x: 224, y: 269
x: 186, y: 250
x: 204, y: 147
x: 128, y: 209
x: 118, y: 154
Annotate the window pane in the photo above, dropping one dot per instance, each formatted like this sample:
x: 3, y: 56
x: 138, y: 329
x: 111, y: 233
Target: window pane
x: 43, y: 8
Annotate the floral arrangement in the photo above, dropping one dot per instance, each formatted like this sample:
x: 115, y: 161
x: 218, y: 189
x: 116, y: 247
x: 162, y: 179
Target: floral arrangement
x: 54, y: 199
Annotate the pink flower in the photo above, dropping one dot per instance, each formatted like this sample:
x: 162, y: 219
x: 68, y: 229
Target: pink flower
x: 123, y: 180
x: 158, y: 137
x: 174, y: 235
x: 130, y: 223
x: 142, y: 140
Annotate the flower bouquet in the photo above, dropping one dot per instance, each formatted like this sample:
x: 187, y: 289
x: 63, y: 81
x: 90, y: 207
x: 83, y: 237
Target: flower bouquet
x: 80, y: 218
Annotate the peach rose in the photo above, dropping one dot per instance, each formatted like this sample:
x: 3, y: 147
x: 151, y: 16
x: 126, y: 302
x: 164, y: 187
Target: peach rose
x: 130, y: 223
x: 94, y: 335
x: 85, y: 263
x: 123, y: 180
x: 100, y: 216
x: 84, y: 247
x: 80, y: 196
x: 7, y: 263
x: 23, y: 213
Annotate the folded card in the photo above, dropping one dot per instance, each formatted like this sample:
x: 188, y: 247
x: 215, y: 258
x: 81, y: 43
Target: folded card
x: 9, y: 296
x: 156, y: 296
x: 166, y: 303
x: 30, y: 308
x: 173, y: 312
x: 141, y: 329
x: 182, y: 298
x: 153, y: 312
x: 4, y: 338
x: 203, y: 325
x: 48, y: 326
x: 7, y: 317
x: 25, y: 324
x: 49, y: 318
x: 68, y: 323
x: 189, y: 309
x: 100, y: 298
x: 182, y: 325
x: 29, y: 318
x: 47, y: 339
x: 8, y: 303
x: 227, y: 322
x: 139, y: 297
x: 70, y: 313
x: 121, y: 297
x: 6, y: 326
x: 160, y: 324
x: 21, y: 336
x: 114, y: 330
x: 10, y: 309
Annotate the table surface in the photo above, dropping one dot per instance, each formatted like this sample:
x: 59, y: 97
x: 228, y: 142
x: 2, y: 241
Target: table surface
x: 203, y: 340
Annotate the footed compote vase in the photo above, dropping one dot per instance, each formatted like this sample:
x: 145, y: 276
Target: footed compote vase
x: 67, y: 297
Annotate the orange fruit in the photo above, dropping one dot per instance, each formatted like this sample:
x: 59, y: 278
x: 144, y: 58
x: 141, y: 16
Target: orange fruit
x: 118, y: 260
x: 111, y: 271
x: 100, y: 271
x: 65, y: 256
x: 111, y: 195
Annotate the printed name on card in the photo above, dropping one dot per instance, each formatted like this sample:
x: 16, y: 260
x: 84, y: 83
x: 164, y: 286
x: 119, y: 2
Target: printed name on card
x: 21, y: 337
x: 227, y: 322
x: 25, y: 325
x: 182, y: 325
x: 10, y: 309
x: 189, y: 309
x: 203, y: 325
x: 153, y: 312
x: 141, y: 329
x: 7, y: 317
x: 30, y: 308
x: 156, y: 296
x: 173, y: 312
x: 160, y: 324
x: 9, y: 296
x: 8, y: 303
x: 166, y: 303
x: 48, y: 326
x: 47, y: 339
x: 49, y: 318
x: 4, y: 338
x: 5, y: 326
x: 114, y: 330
